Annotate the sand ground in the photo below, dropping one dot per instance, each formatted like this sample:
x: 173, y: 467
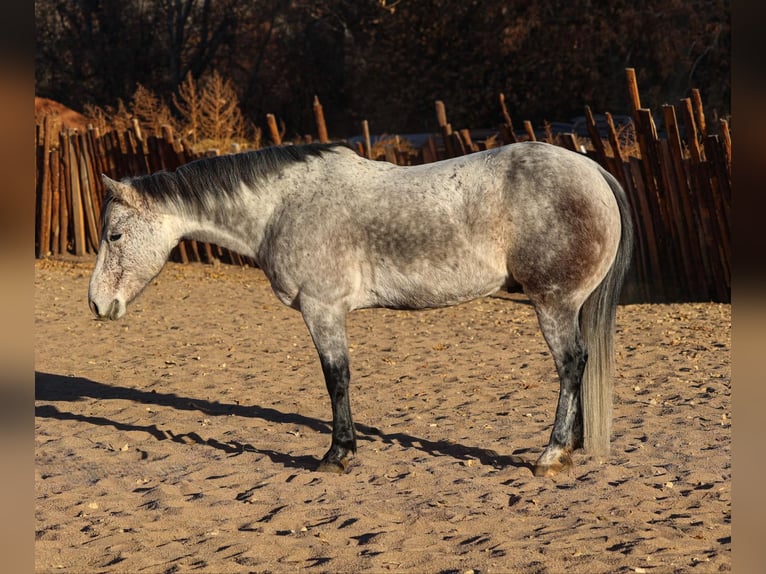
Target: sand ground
x: 183, y: 437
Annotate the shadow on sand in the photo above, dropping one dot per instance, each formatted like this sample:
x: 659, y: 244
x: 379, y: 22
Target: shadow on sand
x: 58, y: 388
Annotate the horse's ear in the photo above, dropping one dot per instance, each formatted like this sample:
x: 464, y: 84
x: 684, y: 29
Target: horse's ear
x: 119, y: 189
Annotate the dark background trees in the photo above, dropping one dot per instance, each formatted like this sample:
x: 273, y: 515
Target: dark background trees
x: 388, y: 60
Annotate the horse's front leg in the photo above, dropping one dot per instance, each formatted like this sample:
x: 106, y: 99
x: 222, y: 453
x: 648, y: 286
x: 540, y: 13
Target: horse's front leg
x: 327, y: 325
x: 343, y: 447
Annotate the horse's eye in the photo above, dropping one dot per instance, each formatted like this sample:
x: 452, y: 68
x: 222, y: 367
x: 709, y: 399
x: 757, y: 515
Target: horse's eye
x: 115, y: 236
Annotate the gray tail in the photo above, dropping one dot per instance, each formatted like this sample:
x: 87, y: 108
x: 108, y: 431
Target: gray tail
x: 597, y: 320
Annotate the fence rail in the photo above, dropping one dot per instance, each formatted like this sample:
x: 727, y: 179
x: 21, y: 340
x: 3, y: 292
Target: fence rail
x: 679, y: 188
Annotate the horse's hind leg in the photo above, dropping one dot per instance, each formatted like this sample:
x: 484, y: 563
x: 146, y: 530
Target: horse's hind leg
x: 560, y: 328
x: 326, y: 324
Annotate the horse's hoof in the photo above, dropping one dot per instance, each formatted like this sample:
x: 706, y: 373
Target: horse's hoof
x: 545, y: 469
x: 333, y: 466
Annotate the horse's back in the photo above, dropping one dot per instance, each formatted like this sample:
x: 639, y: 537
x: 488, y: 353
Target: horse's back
x: 441, y: 233
x: 531, y: 212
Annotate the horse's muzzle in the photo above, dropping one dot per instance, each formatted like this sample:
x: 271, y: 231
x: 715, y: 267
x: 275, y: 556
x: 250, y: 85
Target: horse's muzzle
x: 111, y: 312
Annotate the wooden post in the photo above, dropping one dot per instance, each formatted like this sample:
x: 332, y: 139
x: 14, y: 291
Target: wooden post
x: 507, y: 135
x: 647, y: 217
x: 676, y: 250
x: 530, y: 130
x: 91, y: 227
x: 446, y: 128
x: 506, y: 128
x: 271, y: 122
x: 131, y: 155
x: 595, y: 137
x: 167, y: 133
x: 65, y: 195
x: 78, y: 217
x: 692, y: 138
x: 549, y: 137
x: 635, y: 99
x: 465, y: 136
x: 321, y: 126
x: 180, y: 251
x: 614, y: 141
x: 367, y: 140
x: 641, y: 257
x: 98, y: 165
x: 137, y: 128
x: 699, y: 113
x: 208, y: 251
x: 430, y: 151
x: 137, y: 149
x: 441, y: 113
x: 720, y: 207
x: 56, y: 198
x: 457, y: 144
x: 449, y: 146
x: 154, y: 153
x: 390, y: 153
x: 170, y: 157
x: 726, y: 141
x: 114, y: 155
x: 647, y: 138
x: 685, y: 218
x: 698, y: 186
x: 194, y: 250
x: 618, y: 160
x: 569, y: 141
x: 43, y: 236
x: 722, y: 163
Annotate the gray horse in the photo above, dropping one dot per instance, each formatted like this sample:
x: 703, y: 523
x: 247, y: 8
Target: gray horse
x: 335, y: 232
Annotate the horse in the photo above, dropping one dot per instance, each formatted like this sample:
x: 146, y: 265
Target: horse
x: 334, y: 232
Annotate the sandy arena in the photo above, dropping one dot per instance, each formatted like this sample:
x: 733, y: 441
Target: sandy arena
x: 183, y: 437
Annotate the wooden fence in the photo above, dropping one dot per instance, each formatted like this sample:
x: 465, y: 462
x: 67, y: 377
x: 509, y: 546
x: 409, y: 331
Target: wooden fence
x: 679, y: 188
x: 70, y: 191
x: 680, y: 193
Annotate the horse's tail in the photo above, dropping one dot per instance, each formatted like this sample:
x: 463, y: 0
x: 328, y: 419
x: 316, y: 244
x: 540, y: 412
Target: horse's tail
x: 597, y: 320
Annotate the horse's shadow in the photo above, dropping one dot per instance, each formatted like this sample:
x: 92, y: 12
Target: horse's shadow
x: 57, y: 388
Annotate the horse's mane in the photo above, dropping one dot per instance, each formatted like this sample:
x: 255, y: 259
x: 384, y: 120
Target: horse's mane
x: 200, y: 183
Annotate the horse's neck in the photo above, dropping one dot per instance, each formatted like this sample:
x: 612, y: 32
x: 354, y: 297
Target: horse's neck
x: 207, y: 232
x: 236, y: 224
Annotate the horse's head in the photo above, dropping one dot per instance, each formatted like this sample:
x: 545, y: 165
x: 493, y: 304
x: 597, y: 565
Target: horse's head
x: 136, y: 239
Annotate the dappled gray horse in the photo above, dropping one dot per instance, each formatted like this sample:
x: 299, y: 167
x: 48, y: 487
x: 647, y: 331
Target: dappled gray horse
x: 334, y: 232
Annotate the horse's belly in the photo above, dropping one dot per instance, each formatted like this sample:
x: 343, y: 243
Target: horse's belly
x: 428, y: 284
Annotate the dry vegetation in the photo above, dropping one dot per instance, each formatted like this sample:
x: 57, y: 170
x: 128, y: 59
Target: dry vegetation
x: 364, y: 61
x: 206, y: 113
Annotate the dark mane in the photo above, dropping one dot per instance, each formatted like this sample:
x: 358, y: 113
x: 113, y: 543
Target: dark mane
x: 199, y: 183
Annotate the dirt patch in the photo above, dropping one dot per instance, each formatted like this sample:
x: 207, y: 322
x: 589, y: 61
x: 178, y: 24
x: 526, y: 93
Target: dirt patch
x: 183, y: 436
x: 67, y: 116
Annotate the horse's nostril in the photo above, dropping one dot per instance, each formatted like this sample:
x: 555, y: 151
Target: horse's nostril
x: 93, y: 307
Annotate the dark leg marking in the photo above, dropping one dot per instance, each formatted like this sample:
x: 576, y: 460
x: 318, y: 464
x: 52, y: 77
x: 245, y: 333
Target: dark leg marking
x: 568, y: 425
x: 561, y: 332
x: 337, y: 377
